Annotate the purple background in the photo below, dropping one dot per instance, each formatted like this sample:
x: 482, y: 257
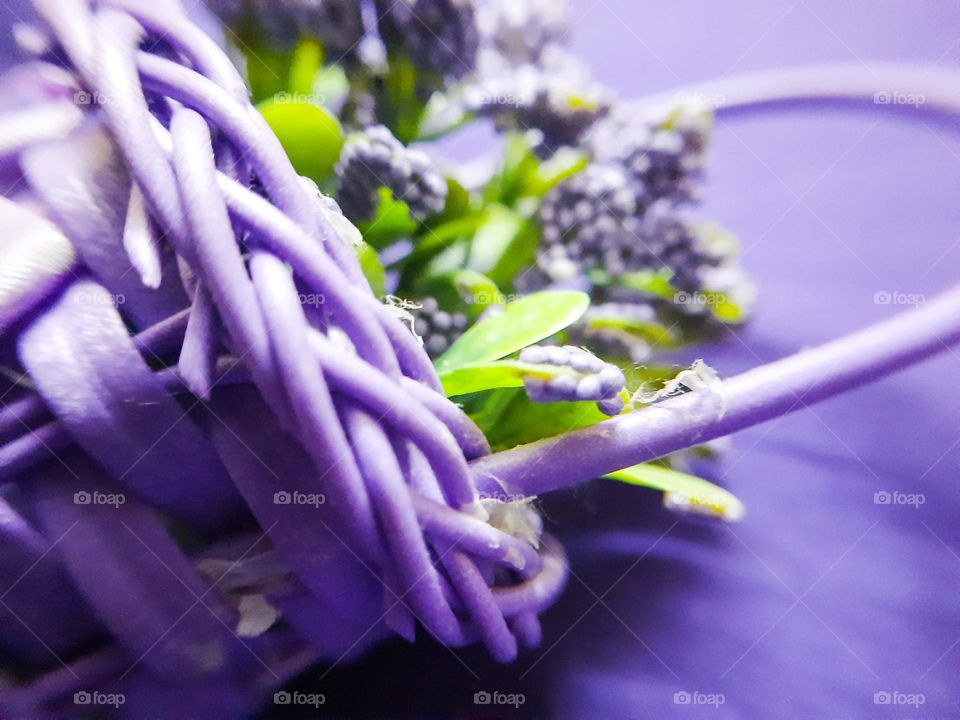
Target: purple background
x: 831, y: 209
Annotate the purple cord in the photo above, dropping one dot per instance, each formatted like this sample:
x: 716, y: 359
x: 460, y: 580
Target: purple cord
x: 380, y: 441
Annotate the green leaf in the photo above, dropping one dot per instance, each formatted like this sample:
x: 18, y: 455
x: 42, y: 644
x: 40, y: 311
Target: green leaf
x: 508, y: 418
x: 266, y: 69
x: 391, y: 222
x: 505, y: 244
x: 684, y: 492
x: 652, y: 282
x: 458, y: 202
x: 372, y: 268
x: 478, y: 291
x: 398, y: 104
x: 449, y: 260
x: 651, y: 332
x: 305, y: 62
x: 311, y: 136
x: 563, y: 165
x: 494, y: 237
x: 523, y: 323
x: 519, y: 163
x: 489, y: 376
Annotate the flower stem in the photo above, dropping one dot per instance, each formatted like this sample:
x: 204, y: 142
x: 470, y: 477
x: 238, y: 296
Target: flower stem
x: 751, y: 398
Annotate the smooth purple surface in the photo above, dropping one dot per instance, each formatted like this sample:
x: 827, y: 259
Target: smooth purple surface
x: 876, y: 213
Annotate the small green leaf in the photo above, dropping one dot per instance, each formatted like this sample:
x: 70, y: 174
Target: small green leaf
x: 494, y: 237
x: 311, y: 136
x: 563, y: 165
x: 489, y: 376
x: 305, y: 62
x: 652, y: 331
x: 508, y: 418
x: 391, y: 222
x: 725, y: 310
x: 519, y: 163
x: 523, y: 323
x: 371, y: 267
x: 398, y: 104
x: 505, y: 244
x: 478, y: 291
x: 458, y: 202
x: 684, y: 492
x: 266, y: 68
x: 652, y: 282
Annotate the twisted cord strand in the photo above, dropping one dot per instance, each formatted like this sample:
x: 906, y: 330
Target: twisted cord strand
x: 393, y: 451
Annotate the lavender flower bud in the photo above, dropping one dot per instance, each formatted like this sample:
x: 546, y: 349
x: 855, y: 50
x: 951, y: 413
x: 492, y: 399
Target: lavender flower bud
x: 555, y: 96
x: 281, y: 23
x: 593, y: 221
x: 520, y: 30
x: 687, y: 249
x: 607, y: 328
x: 662, y: 152
x: 437, y: 328
x: 591, y: 378
x: 373, y: 159
x: 584, y: 221
x: 439, y: 36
